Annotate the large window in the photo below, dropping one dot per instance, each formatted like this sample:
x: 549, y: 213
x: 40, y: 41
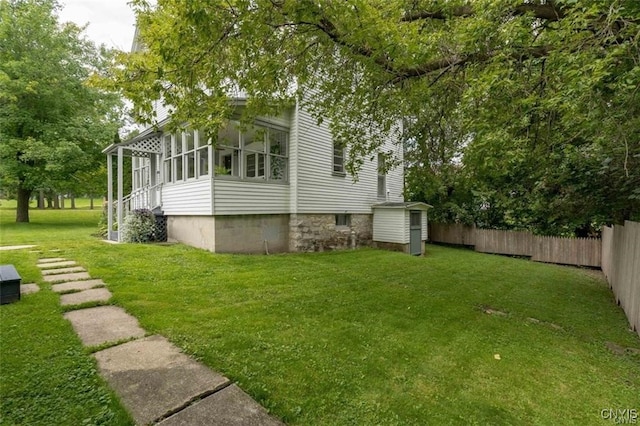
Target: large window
x: 186, y: 156
x: 253, y: 153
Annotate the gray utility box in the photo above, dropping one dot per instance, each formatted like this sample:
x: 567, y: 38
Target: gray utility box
x: 9, y: 284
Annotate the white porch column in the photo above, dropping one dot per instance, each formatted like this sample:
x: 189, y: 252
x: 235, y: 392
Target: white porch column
x: 109, y: 195
x: 120, y: 194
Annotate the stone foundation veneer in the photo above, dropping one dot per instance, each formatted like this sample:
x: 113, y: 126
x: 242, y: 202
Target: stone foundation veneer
x: 318, y: 232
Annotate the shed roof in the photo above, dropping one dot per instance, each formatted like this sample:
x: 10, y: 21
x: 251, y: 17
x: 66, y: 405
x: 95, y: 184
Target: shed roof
x: 407, y: 205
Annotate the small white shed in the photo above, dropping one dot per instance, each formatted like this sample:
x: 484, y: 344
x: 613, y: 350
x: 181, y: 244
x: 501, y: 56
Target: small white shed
x: 401, y: 226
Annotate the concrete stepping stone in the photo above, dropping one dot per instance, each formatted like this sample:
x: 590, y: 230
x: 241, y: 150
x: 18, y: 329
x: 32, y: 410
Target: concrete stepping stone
x: 29, y: 288
x: 16, y: 247
x: 59, y: 271
x: 76, y: 276
x: 77, y: 285
x: 104, y: 324
x: 154, y: 379
x: 48, y: 265
x: 91, y: 295
x: 51, y: 259
x: 229, y: 406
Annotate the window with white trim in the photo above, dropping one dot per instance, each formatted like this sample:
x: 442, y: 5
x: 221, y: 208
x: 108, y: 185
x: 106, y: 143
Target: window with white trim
x: 254, y: 153
x: 167, y: 147
x: 382, y: 178
x: 202, y: 154
x: 338, y: 158
x: 227, y: 153
x: 278, y: 163
x: 189, y: 154
x: 253, y: 140
x: 178, y: 163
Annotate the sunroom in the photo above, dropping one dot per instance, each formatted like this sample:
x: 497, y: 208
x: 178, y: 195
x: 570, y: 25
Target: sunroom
x: 182, y: 173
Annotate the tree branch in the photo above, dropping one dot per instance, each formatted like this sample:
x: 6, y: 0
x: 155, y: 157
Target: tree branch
x: 548, y: 11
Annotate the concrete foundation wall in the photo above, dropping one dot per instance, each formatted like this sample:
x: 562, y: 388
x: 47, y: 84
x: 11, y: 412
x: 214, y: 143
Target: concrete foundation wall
x: 252, y: 233
x: 196, y: 231
x: 318, y: 232
x: 391, y: 246
x: 405, y: 248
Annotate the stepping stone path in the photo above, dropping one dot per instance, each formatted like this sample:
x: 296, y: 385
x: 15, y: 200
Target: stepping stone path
x: 157, y: 382
x: 62, y: 270
x: 77, y: 285
x: 29, y: 288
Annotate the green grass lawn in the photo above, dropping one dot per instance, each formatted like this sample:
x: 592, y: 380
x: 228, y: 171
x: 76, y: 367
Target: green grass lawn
x: 357, y: 337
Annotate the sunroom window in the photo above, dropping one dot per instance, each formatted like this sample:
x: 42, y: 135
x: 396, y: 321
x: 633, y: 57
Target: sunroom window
x: 227, y: 152
x: 253, y: 153
x: 168, y: 157
x: 190, y: 154
x: 178, y: 149
x: 202, y: 154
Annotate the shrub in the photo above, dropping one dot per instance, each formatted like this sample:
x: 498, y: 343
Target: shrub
x: 139, y: 226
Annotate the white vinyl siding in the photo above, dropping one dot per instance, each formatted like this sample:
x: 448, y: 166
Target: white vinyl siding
x: 319, y: 190
x: 160, y: 111
x: 390, y: 226
x: 425, y: 229
x: 191, y: 198
x: 232, y: 197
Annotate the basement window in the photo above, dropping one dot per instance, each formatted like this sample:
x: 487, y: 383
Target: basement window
x: 343, y: 220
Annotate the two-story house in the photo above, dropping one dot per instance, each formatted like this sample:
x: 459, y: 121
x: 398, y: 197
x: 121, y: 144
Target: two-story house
x: 279, y: 185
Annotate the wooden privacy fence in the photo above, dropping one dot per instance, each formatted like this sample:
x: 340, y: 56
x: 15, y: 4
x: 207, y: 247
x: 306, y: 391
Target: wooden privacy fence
x: 617, y: 253
x: 566, y: 251
x: 621, y: 266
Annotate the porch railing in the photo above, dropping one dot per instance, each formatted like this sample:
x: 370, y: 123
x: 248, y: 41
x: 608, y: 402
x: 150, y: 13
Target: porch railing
x: 148, y: 197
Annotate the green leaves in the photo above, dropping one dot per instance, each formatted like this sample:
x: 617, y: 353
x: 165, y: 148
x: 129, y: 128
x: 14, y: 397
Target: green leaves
x: 51, y: 119
x: 490, y: 91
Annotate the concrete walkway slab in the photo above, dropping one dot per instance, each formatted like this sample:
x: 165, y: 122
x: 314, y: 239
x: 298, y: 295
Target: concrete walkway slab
x: 48, y: 265
x: 29, y: 288
x: 51, y: 259
x: 104, y: 324
x: 91, y: 295
x: 16, y: 247
x: 229, y: 406
x: 77, y: 285
x: 59, y: 271
x: 67, y: 277
x: 154, y: 379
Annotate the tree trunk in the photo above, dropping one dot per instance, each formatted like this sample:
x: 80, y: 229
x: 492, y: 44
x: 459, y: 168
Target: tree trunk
x: 22, y: 212
x: 73, y: 201
x: 91, y: 202
x: 56, y: 201
x: 41, y: 199
x: 62, y: 201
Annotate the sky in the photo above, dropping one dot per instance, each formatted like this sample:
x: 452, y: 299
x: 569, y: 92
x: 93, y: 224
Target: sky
x: 111, y: 22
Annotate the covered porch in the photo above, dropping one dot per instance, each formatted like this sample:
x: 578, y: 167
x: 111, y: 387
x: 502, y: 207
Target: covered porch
x: 145, y: 151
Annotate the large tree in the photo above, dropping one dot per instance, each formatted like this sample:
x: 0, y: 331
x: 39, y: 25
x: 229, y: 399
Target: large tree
x: 50, y: 118
x: 526, y: 110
